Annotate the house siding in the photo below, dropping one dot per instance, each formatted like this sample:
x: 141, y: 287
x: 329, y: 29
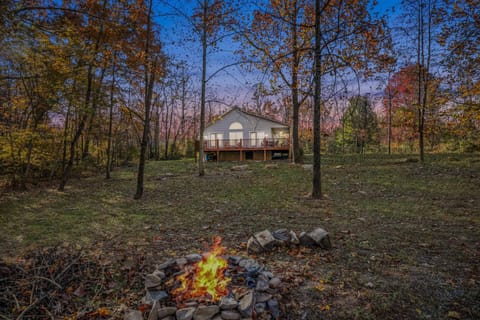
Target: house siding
x: 248, y: 122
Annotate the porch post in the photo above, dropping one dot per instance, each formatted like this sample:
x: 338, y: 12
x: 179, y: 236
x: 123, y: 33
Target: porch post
x: 264, y: 149
x: 218, y: 152
x: 241, y: 150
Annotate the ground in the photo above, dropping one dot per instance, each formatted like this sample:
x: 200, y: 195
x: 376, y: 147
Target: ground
x: 405, y: 235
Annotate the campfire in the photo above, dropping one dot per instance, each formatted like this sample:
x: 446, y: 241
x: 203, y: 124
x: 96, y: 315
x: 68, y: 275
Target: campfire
x: 205, y: 280
x: 212, y: 286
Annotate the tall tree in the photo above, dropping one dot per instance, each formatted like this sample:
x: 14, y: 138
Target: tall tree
x: 279, y: 35
x: 94, y: 34
x: 424, y: 36
x: 209, y: 19
x: 347, y: 38
x: 460, y: 38
x: 150, y: 65
x: 359, y: 124
x: 317, y: 174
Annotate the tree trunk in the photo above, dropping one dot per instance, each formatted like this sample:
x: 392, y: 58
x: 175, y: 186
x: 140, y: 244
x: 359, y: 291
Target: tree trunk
x: 86, y: 147
x: 201, y: 169
x: 389, y: 122
x: 78, y: 132
x: 149, y: 81
x: 156, y: 132
x: 317, y: 186
x: 297, y: 156
x: 26, y: 171
x: 110, y: 121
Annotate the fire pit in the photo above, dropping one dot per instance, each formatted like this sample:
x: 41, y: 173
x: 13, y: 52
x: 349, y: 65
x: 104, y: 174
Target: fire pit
x: 212, y: 286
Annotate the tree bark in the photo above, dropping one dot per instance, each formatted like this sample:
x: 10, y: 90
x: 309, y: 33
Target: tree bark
x: 149, y: 81
x: 317, y: 186
x: 110, y: 121
x: 297, y: 156
x: 78, y: 132
x: 201, y: 169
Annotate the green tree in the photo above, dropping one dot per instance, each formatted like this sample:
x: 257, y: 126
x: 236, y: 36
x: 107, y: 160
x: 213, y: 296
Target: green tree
x: 359, y: 125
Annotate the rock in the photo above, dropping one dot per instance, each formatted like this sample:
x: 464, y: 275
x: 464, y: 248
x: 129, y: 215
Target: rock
x: 166, y: 311
x: 181, y: 262
x: 205, y: 312
x: 274, y: 308
x: 133, y: 315
x: 281, y: 235
x: 159, y: 274
x: 152, y: 296
x: 260, y: 307
x: 167, y: 264
x: 246, y: 304
x: 271, y: 166
x: 267, y: 274
x: 185, y: 313
x: 262, y: 285
x: 253, y: 246
x: 262, y: 297
x: 152, y: 281
x: 228, y: 303
x: 191, y: 304
x: 153, y: 315
x: 169, y: 318
x: 234, y: 259
x: 369, y: 285
x: 306, y: 240
x: 307, y: 167
x: 243, y: 167
x: 294, y: 238
x: 321, y: 238
x: 194, y: 257
x: 230, y: 315
x: 246, y: 262
x: 265, y: 239
x: 217, y: 317
x: 317, y: 237
x: 274, y: 282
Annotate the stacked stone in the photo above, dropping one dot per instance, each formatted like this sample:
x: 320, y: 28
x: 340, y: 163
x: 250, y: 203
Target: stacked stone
x: 253, y: 293
x: 266, y: 240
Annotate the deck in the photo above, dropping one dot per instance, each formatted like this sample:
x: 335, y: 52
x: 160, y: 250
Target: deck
x: 246, y: 144
x: 243, y: 146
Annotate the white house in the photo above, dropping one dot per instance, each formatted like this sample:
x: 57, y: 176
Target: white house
x: 239, y: 135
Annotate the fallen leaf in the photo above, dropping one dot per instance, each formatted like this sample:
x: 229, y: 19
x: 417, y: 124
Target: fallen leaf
x: 453, y: 315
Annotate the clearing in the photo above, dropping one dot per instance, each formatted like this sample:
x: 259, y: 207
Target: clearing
x: 406, y: 239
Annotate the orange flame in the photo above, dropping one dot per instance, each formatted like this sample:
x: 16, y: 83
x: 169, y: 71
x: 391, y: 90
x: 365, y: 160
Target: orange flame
x: 205, y: 280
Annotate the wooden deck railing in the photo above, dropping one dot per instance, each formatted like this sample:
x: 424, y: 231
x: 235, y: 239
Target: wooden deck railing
x: 247, y: 144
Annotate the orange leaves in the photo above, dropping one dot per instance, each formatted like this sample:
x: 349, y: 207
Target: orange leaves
x: 101, y: 312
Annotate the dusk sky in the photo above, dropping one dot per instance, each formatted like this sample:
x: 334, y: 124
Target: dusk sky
x: 234, y: 85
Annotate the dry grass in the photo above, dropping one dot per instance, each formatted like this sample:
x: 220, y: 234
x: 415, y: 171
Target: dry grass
x: 406, y: 236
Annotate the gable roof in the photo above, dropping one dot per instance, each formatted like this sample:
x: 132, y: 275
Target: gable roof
x: 247, y: 113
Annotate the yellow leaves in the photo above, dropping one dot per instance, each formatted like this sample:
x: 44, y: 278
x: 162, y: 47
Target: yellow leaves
x: 453, y: 315
x: 325, y: 307
x: 101, y: 312
x: 321, y: 285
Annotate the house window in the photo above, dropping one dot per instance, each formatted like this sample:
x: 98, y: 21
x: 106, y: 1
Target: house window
x: 235, y: 133
x: 235, y: 137
x: 236, y: 126
x: 256, y: 138
x: 213, y: 139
